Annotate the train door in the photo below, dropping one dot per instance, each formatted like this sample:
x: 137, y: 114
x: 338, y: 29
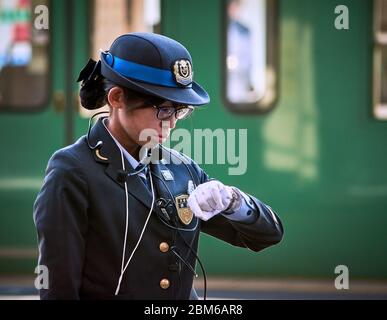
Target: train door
x: 36, y: 106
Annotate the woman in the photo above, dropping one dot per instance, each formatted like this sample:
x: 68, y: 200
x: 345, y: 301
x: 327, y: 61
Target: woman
x: 109, y: 224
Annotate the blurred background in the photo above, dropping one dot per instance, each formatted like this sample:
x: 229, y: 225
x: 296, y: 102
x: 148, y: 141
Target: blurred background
x: 307, y: 83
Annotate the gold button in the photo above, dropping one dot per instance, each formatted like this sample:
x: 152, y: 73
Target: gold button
x: 164, y: 247
x: 164, y: 283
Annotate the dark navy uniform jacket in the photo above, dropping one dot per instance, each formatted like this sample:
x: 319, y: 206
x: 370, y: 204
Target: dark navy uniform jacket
x: 80, y: 217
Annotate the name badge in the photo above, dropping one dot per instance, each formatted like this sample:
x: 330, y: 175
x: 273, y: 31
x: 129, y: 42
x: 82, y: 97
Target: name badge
x: 167, y: 175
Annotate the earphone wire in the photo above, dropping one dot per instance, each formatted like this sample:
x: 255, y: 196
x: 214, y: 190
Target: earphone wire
x: 123, y: 269
x: 188, y: 245
x: 99, y: 143
x: 126, y: 225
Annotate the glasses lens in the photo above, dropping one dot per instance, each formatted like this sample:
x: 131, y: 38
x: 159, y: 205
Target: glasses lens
x: 183, y: 113
x: 165, y: 113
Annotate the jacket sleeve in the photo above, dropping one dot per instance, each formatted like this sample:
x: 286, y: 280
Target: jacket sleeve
x: 60, y: 216
x: 266, y: 230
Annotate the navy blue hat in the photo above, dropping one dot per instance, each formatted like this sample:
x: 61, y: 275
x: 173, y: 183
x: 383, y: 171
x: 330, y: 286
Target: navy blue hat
x: 153, y: 64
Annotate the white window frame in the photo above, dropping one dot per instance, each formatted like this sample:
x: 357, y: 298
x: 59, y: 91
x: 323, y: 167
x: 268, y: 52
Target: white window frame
x: 380, y: 43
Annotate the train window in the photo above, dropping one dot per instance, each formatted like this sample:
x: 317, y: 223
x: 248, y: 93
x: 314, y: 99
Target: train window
x: 250, y: 70
x: 380, y: 60
x: 112, y: 18
x: 24, y: 55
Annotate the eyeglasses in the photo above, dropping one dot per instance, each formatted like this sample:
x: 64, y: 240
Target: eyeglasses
x: 181, y: 112
x: 165, y: 112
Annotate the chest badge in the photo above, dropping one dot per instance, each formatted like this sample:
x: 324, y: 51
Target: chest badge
x: 184, y: 212
x: 167, y: 175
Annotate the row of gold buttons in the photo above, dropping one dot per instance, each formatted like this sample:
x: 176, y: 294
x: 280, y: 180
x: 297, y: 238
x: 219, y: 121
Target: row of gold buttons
x: 164, y: 283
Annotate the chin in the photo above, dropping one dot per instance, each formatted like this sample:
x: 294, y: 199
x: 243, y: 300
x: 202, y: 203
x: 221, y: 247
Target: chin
x: 162, y: 139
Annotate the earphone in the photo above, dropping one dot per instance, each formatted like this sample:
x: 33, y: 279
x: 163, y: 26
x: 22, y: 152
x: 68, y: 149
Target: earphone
x: 99, y: 143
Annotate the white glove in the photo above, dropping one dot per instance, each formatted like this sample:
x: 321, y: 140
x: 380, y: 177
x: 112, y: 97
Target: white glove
x: 210, y: 198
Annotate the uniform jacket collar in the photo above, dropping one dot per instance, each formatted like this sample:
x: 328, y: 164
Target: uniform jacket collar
x: 110, y: 155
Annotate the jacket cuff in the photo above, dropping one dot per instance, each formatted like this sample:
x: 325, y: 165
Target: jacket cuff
x: 247, y: 213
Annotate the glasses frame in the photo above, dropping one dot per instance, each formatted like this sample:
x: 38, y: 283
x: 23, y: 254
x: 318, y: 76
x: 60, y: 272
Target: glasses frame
x: 176, y: 108
x: 156, y: 102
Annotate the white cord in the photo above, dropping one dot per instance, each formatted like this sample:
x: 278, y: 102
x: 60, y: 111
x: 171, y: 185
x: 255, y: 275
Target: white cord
x: 126, y: 220
x: 123, y: 269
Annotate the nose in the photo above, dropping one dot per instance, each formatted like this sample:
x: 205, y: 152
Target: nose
x: 172, y: 121
x: 168, y: 124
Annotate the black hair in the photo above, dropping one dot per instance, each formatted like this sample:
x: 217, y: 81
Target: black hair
x: 95, y: 94
x: 92, y: 94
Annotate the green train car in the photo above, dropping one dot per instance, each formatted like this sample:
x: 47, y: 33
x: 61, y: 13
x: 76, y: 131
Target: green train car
x: 314, y: 113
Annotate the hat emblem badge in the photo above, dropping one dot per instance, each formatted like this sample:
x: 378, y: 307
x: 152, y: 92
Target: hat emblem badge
x: 182, y: 70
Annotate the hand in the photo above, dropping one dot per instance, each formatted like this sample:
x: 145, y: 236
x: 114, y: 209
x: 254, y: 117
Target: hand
x: 209, y: 199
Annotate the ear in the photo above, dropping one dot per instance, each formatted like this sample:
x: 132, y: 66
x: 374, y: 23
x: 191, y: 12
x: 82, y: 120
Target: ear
x: 116, y: 97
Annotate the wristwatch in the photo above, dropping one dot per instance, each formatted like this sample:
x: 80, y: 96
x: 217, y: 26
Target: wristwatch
x: 235, y: 203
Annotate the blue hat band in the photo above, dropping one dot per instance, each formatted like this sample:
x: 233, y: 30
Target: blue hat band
x: 141, y: 72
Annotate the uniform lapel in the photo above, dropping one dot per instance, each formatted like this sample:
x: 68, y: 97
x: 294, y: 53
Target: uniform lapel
x: 110, y: 155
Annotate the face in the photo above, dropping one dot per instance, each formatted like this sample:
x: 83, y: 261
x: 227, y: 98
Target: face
x: 141, y: 122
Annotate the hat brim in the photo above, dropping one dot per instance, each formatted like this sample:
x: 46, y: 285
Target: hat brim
x: 194, y: 96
